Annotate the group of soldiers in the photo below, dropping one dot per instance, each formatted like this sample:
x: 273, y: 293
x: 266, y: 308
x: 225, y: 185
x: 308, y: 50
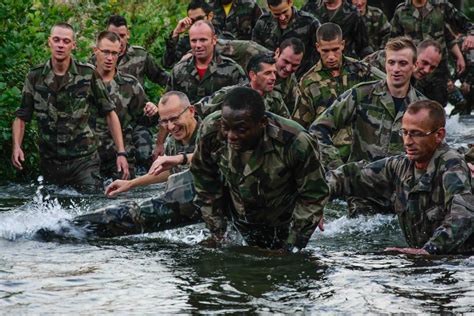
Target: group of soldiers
x: 265, y: 118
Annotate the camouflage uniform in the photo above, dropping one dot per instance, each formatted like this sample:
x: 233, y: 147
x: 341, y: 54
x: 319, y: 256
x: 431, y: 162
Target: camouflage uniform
x: 288, y: 89
x: 221, y: 72
x: 430, y: 24
x: 241, y: 19
x: 302, y: 25
x: 370, y: 111
x: 464, y: 103
x: 129, y: 98
x: 175, y: 49
x: 435, y: 209
x: 65, y: 109
x: 240, y: 51
x: 276, y: 199
x: 354, y: 30
x: 378, y: 27
x: 273, y: 102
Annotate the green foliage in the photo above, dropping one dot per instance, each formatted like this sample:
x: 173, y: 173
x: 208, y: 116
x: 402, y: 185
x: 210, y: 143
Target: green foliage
x: 25, y: 28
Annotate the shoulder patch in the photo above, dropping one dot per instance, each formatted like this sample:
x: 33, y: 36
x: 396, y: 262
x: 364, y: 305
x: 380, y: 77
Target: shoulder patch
x: 82, y: 64
x: 129, y: 78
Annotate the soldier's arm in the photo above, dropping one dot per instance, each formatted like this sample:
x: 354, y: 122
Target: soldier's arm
x: 458, y: 20
x: 361, y: 38
x: 169, y: 56
x: 154, y: 72
x: 305, y: 111
x: 279, y: 106
x: 258, y: 35
x: 115, y: 129
x: 313, y: 192
x: 384, y: 32
x: 397, y: 28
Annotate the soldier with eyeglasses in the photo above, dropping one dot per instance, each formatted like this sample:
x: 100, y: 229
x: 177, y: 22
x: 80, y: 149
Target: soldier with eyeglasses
x: 429, y: 187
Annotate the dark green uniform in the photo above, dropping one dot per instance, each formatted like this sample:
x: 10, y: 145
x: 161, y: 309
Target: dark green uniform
x: 288, y: 88
x: 66, y: 108
x: 240, y: 51
x: 276, y: 198
x: 435, y: 207
x: 378, y: 27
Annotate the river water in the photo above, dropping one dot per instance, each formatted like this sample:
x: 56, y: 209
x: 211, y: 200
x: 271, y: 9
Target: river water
x: 343, y: 270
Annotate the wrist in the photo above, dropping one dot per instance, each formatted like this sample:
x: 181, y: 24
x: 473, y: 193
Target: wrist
x: 184, y: 159
x: 122, y: 154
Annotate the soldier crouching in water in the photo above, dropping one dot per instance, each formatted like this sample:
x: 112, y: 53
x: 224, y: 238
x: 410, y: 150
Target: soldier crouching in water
x: 172, y: 209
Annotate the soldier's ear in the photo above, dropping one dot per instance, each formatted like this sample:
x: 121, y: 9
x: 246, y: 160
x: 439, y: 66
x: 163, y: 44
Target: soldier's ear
x: 210, y: 16
x: 440, y: 134
x: 343, y: 43
x: 277, y: 52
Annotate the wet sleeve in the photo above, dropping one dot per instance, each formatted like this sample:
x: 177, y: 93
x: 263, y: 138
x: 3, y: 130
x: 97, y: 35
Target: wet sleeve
x: 25, y: 111
x: 154, y: 72
x: 313, y: 192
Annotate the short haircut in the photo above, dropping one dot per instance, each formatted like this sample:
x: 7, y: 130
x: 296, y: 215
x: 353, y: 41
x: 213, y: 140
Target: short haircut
x: 65, y: 25
x: 255, y: 63
x: 244, y: 98
x: 401, y: 42
x: 275, y: 3
x: 206, y: 22
x: 437, y: 115
x: 117, y: 20
x: 328, y: 32
x: 429, y: 43
x: 183, y: 98
x: 200, y: 4
x: 111, y: 36
x: 295, y: 43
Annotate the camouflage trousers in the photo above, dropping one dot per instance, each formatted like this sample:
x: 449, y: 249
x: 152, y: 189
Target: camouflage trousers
x: 172, y: 209
x: 81, y: 173
x: 142, y: 140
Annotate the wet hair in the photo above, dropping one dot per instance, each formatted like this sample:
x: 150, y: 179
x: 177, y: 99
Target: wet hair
x: 65, y: 25
x: 401, y: 42
x: 111, y: 36
x: 295, y: 43
x: 200, y: 4
x: 275, y: 3
x: 117, y: 20
x: 243, y: 98
x: 206, y: 22
x: 429, y: 43
x: 255, y: 63
x: 328, y: 32
x: 436, y: 112
x: 183, y: 98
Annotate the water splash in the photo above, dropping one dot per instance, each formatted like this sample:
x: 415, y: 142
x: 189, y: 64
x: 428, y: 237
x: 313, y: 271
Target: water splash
x: 367, y: 224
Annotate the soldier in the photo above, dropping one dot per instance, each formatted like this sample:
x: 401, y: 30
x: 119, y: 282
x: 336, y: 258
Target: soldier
x: 372, y: 109
x: 378, y: 27
x: 463, y: 98
x: 285, y: 21
x: 172, y: 209
x: 66, y: 97
x: 288, y: 60
x: 262, y: 74
x: 240, y: 51
x: 429, y: 187
x: 237, y: 17
x: 259, y: 170
x: 129, y: 98
x: 427, y: 19
x: 348, y: 18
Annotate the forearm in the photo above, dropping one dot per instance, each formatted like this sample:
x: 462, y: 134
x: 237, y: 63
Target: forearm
x: 115, y: 130
x: 18, y: 132
x: 149, y: 179
x: 456, y: 51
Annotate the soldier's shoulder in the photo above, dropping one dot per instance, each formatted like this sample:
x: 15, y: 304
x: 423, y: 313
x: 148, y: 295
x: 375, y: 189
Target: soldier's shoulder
x: 306, y: 16
x: 358, y: 65
x: 38, y: 68
x: 266, y: 17
x: 182, y: 64
x: 365, y: 88
x: 84, y: 67
x: 227, y: 62
x: 282, y: 129
x: 312, y: 75
x: 130, y: 79
x: 135, y: 50
x: 374, y: 10
x: 402, y: 6
x: 211, y: 124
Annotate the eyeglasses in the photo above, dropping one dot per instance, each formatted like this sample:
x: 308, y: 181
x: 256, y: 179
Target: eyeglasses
x: 415, y: 134
x: 172, y: 119
x: 109, y: 53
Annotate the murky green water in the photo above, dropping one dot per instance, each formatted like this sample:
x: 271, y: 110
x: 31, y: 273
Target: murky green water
x: 343, y: 270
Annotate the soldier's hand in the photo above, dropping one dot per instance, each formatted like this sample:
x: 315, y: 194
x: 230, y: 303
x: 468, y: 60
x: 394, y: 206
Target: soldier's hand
x: 212, y: 242
x: 17, y: 158
x: 122, y: 166
x: 460, y: 65
x: 183, y: 25
x: 158, y: 151
x: 468, y: 43
x: 465, y: 87
x: 164, y: 163
x: 408, y: 251
x: 116, y: 187
x: 321, y: 224
x: 150, y: 109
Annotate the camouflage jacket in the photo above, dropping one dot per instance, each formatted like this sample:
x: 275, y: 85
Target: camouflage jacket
x: 139, y: 63
x: 129, y: 99
x: 376, y: 59
x: 368, y: 108
x: 281, y: 185
x: 378, y: 27
x: 407, y: 20
x: 66, y: 112
x: 354, y: 30
x: 240, y: 51
x: 175, y: 49
x: 435, y: 210
x: 241, y: 19
x: 273, y: 102
x: 288, y: 89
x: 221, y: 72
x: 174, y: 147
x: 318, y: 88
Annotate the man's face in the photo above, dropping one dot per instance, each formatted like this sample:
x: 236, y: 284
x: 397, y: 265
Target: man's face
x: 240, y: 130
x: 287, y: 62
x: 282, y: 12
x: 426, y: 62
x: 106, y: 54
x: 263, y: 80
x: 420, y: 148
x: 124, y: 34
x: 361, y: 5
x: 180, y: 119
x: 197, y: 14
x: 61, y: 43
x: 202, y: 42
x: 331, y: 52
x: 399, y: 67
